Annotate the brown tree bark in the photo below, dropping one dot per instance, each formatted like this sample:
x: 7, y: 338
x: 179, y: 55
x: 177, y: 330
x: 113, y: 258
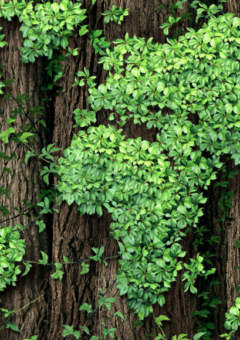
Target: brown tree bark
x: 73, y: 235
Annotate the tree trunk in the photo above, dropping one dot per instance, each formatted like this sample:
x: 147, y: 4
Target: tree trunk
x: 73, y: 235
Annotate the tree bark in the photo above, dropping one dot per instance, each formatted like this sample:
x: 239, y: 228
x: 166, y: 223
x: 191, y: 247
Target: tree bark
x: 73, y: 235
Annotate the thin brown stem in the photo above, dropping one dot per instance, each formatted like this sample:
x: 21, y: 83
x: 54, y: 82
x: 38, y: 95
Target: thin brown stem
x: 97, y: 308
x: 70, y: 262
x: 21, y: 214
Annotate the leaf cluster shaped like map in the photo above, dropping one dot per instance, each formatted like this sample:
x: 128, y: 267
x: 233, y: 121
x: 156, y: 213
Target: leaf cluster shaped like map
x: 151, y: 190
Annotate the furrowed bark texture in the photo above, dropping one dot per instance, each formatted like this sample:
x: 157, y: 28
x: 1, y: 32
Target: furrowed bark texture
x: 73, y: 235
x: 24, y: 183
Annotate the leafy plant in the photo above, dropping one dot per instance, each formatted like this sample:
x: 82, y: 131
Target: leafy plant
x: 116, y: 14
x: 45, y: 26
x: 100, y: 168
x: 151, y: 190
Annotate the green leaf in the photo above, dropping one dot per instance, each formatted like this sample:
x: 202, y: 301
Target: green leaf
x: 24, y: 136
x: 236, y: 158
x: 85, y: 329
x: 161, y: 318
x: 64, y: 42
x: 161, y: 300
x: 83, y: 30
x: 41, y: 225
x: 99, y: 210
x: 27, y: 268
x: 198, y: 335
x: 45, y: 258
x: 86, y: 307
x: 12, y: 327
x: 58, y: 275
x: 69, y: 331
x: 65, y: 259
x: 119, y: 314
x: 234, y: 310
x: 85, y: 268
x: 28, y: 155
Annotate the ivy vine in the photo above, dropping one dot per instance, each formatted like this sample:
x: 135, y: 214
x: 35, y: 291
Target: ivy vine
x: 151, y: 190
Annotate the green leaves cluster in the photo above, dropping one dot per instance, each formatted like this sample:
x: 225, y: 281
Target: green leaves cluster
x: 107, y: 301
x: 97, y: 42
x: 45, y: 26
x: 197, y: 5
x: 232, y: 320
x: 146, y: 199
x: 193, y: 269
x: 152, y: 190
x: 116, y: 14
x: 12, y: 246
x: 206, y: 326
x: 12, y: 250
x: 2, y: 44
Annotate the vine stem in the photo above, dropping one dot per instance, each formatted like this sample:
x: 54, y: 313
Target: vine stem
x: 161, y: 329
x: 94, y: 311
x: 108, y: 324
x: 39, y: 297
x: 21, y: 214
x: 25, y: 112
x: 64, y: 262
x: 35, y: 154
x: 19, y: 310
x: 37, y: 218
x: 5, y: 164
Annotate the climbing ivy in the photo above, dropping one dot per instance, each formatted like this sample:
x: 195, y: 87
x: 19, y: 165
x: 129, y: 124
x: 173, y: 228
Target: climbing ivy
x: 12, y: 249
x: 152, y: 190
x: 232, y: 319
x: 45, y: 27
x: 188, y: 90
